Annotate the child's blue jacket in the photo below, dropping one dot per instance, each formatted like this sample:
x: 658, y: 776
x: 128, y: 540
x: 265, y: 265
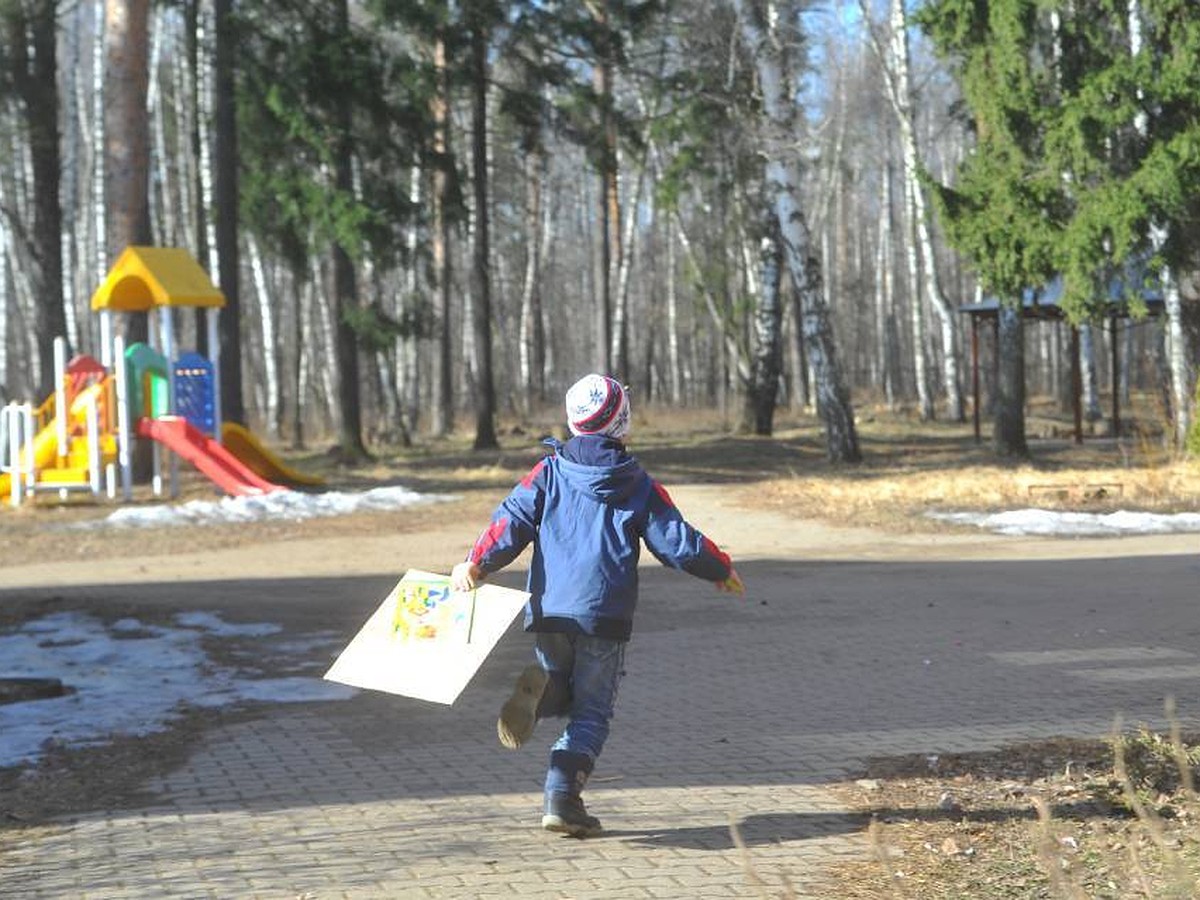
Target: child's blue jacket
x: 587, y: 507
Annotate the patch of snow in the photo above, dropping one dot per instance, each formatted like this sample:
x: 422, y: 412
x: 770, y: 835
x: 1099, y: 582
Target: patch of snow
x: 1075, y: 524
x: 215, y: 625
x: 131, y: 678
x: 287, y: 505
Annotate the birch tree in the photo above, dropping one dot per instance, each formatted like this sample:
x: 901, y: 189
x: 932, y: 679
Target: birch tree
x: 770, y: 33
x: 894, y: 59
x: 1179, y: 366
x: 1005, y: 211
x: 441, y: 383
x: 768, y: 331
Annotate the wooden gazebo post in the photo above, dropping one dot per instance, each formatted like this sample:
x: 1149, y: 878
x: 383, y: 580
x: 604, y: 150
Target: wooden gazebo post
x: 975, y: 375
x: 1116, y: 376
x: 1076, y: 385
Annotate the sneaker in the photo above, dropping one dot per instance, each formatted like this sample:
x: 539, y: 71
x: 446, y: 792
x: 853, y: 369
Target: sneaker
x: 519, y: 713
x: 567, y: 815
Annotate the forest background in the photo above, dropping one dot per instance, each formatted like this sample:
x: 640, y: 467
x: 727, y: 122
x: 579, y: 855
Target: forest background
x: 429, y: 213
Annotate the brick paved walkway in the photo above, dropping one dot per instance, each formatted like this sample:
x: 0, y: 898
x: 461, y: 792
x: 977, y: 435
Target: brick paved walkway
x: 731, y: 711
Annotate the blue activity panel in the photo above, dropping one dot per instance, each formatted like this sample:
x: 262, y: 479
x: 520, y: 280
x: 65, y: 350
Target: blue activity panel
x: 194, y: 392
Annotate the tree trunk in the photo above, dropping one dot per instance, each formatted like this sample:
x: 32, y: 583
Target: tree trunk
x: 531, y: 337
x: 885, y: 297
x: 485, y: 391
x: 271, y: 344
x: 441, y: 382
x: 345, y: 286
x: 407, y: 345
x: 99, y: 146
x: 768, y: 326
x: 226, y: 212
x: 782, y: 178
x: 1178, y: 365
x: 916, y: 308
x: 192, y: 113
x: 725, y: 328
x: 674, y: 363
x: 72, y: 213
x: 1008, y: 435
x: 302, y: 335
x: 895, y: 64
x: 1091, y: 379
x: 127, y: 127
x: 620, y: 337
x: 31, y: 27
x: 610, y: 216
x: 6, y: 307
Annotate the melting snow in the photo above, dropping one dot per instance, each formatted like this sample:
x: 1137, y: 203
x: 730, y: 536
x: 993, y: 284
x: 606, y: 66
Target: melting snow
x: 135, y: 678
x: 290, y: 505
x: 1073, y: 524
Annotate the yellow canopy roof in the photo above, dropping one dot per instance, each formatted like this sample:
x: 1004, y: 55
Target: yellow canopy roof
x: 144, y: 277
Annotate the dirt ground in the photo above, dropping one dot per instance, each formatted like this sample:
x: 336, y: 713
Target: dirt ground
x: 757, y: 497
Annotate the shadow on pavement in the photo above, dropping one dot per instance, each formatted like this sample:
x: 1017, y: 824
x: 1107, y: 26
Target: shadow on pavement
x: 755, y: 831
x: 824, y: 664
x: 783, y: 828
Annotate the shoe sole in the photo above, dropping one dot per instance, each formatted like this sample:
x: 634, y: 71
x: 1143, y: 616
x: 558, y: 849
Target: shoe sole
x: 519, y: 713
x: 559, y: 825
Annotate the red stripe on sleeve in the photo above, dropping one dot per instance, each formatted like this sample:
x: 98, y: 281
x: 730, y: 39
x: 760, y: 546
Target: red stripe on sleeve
x: 533, y: 473
x: 718, y: 553
x: 662, y: 492
x: 488, y: 540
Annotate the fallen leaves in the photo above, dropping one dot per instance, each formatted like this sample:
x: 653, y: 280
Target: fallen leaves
x: 968, y: 825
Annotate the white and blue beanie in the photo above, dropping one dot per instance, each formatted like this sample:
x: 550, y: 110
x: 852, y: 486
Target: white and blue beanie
x: 597, y: 404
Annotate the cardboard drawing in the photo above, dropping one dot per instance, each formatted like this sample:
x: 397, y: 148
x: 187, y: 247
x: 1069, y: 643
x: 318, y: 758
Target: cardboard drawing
x: 426, y: 640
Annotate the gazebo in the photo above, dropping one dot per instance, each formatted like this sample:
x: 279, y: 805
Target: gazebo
x: 1043, y: 304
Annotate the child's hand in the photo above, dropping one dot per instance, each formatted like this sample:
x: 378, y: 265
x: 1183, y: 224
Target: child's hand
x: 465, y: 577
x: 732, y: 584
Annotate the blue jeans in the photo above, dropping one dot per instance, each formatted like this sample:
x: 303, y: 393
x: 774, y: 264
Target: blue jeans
x: 584, y: 673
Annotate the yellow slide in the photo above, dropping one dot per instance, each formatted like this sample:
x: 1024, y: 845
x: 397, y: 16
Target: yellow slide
x: 45, y: 445
x: 45, y: 449
x: 250, y: 450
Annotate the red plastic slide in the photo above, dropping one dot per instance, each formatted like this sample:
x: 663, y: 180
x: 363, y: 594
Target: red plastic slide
x: 225, y: 470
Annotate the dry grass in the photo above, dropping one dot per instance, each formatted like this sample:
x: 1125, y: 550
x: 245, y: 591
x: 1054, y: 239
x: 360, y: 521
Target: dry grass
x: 895, y: 497
x: 910, y: 468
x: 1060, y: 820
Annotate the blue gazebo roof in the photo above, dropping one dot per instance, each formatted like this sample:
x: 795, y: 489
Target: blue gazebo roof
x: 1043, y: 302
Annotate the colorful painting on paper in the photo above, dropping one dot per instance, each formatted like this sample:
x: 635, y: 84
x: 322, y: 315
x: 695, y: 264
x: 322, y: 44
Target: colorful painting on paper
x: 425, y: 640
x: 427, y: 609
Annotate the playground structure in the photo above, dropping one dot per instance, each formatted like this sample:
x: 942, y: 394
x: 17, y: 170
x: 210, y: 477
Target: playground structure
x: 81, y: 438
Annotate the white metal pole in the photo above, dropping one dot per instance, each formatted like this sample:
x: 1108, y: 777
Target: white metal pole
x: 12, y: 415
x: 5, y: 457
x: 106, y: 338
x: 167, y: 321
x: 211, y: 316
x: 93, y: 434
x: 124, y: 436
x: 60, y: 394
x: 154, y: 335
x: 166, y: 326
x: 30, y: 430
